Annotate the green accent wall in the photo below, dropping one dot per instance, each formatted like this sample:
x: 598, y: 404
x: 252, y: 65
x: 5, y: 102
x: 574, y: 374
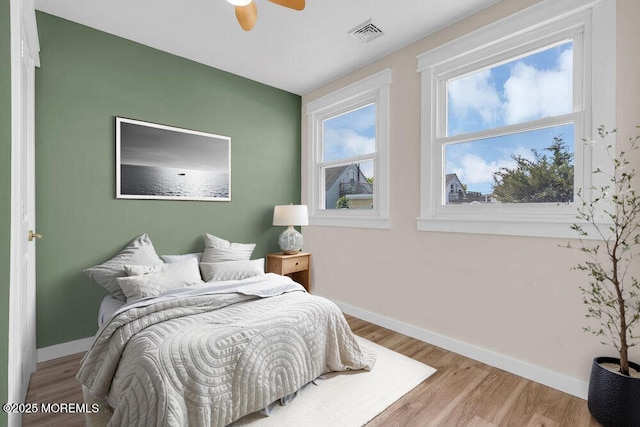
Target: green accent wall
x: 86, y: 79
x: 5, y: 196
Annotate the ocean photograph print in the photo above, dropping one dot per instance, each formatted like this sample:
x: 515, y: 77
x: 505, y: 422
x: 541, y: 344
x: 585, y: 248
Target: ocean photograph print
x: 162, y: 162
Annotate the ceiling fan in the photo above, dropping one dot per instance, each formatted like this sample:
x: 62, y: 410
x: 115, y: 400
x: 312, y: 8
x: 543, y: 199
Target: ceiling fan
x: 247, y: 12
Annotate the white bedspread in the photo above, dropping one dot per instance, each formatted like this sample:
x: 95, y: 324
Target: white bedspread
x: 209, y: 354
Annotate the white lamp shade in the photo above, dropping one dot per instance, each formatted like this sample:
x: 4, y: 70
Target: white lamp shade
x: 290, y: 215
x: 239, y: 2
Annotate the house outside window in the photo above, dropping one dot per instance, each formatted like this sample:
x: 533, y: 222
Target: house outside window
x: 348, y: 165
x: 356, y: 192
x: 505, y: 112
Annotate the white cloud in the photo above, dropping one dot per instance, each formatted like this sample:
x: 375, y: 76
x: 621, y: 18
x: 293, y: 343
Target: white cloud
x: 531, y: 93
x: 344, y: 143
x: 475, y: 92
x: 475, y: 170
x: 477, y: 173
x: 520, y: 151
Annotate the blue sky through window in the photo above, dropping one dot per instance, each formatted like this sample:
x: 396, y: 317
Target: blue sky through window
x: 526, y: 89
x: 351, y: 134
x: 475, y: 162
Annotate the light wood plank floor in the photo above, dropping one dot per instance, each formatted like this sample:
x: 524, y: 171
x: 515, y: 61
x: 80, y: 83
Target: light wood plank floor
x: 462, y: 393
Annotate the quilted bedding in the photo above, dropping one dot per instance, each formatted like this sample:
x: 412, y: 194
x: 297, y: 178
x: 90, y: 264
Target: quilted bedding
x: 208, y: 355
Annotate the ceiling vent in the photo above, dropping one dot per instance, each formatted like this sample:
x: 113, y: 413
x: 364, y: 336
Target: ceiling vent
x: 366, y: 32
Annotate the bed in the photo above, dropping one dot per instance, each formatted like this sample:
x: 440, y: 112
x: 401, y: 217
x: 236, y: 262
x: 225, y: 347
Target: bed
x: 207, y: 353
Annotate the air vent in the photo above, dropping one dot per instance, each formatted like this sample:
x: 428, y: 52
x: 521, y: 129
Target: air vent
x: 366, y: 32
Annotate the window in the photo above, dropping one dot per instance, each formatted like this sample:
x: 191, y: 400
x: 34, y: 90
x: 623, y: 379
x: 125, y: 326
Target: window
x: 348, y: 165
x: 505, y: 113
x: 532, y: 163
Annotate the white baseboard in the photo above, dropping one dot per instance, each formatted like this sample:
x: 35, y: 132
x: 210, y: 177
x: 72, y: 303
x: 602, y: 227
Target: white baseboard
x: 544, y: 376
x: 64, y: 349
x: 540, y: 375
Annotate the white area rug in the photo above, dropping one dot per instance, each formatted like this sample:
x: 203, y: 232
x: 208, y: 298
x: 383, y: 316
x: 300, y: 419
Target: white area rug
x: 348, y: 399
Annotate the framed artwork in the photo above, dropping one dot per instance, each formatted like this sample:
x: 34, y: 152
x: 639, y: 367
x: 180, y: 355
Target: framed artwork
x: 162, y: 162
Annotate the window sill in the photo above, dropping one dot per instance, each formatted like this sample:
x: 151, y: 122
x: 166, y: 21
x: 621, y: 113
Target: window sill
x: 353, y: 222
x: 553, y: 228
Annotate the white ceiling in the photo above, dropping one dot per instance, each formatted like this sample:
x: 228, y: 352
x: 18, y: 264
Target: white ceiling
x: 290, y: 50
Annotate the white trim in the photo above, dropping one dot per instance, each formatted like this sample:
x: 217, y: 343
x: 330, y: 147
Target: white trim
x: 348, y: 93
x: 14, y: 364
x: 511, y: 26
x: 374, y: 89
x: 526, y: 370
x: 498, y: 226
x: 353, y: 222
x: 591, y: 25
x: 544, y: 376
x: 31, y: 32
x: 65, y: 349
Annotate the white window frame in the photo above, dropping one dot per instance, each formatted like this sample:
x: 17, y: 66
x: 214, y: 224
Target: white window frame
x: 374, y: 89
x: 592, y: 26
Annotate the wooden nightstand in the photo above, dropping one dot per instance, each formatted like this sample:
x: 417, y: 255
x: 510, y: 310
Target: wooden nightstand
x: 296, y: 266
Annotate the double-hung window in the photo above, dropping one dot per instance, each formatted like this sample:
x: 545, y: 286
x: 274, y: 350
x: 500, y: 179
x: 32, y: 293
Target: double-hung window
x: 348, y: 159
x: 505, y: 112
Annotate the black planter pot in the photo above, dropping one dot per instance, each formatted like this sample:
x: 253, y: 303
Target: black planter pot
x: 614, y: 399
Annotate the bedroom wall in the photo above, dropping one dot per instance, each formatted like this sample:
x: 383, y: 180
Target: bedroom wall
x: 88, y: 77
x: 510, y: 297
x: 5, y: 195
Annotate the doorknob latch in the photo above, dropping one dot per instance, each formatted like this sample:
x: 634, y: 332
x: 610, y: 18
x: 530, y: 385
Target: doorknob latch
x: 33, y: 235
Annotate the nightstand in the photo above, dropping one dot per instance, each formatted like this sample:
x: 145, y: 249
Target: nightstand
x: 296, y: 266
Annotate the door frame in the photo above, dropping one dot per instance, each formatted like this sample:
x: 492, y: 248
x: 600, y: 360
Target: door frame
x: 25, y: 49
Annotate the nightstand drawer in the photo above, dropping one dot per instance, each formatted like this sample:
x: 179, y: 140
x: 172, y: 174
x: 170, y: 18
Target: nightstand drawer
x: 293, y: 265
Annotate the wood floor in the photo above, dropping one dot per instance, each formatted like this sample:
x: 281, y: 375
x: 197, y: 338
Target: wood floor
x: 462, y: 393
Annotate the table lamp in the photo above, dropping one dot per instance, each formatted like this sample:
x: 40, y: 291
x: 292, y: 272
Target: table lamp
x: 290, y: 215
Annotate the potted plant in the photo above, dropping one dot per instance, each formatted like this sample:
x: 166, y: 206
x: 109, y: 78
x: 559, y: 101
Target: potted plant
x: 612, y: 296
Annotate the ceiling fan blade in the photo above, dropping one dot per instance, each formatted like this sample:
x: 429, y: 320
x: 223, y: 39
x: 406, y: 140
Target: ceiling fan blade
x: 291, y: 4
x: 247, y: 16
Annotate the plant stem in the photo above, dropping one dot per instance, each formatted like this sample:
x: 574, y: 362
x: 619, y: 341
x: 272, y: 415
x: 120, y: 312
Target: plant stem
x: 624, y: 346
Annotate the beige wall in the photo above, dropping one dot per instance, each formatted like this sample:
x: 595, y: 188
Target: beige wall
x: 514, y: 296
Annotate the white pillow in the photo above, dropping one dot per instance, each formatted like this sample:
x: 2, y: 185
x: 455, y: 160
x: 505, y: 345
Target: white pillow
x: 151, y: 284
x: 231, y: 270
x: 170, y: 259
x: 139, y: 251
x: 220, y: 250
x: 139, y: 270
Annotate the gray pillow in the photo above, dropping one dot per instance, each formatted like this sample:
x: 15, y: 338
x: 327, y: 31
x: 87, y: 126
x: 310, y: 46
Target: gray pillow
x: 153, y: 281
x: 140, y: 252
x: 231, y: 270
x: 220, y: 250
